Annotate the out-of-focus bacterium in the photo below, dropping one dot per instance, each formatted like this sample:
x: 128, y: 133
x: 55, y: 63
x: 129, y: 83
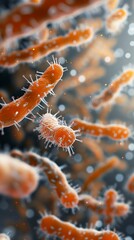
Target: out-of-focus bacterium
x: 114, y: 131
x: 110, y: 208
x: 111, y: 5
x: 103, y: 168
x: 54, y: 131
x: 28, y: 18
x: 38, y: 51
x: 67, y: 195
x: 116, y: 20
x: 4, y: 237
x: 15, y: 111
x: 113, y: 208
x: 130, y: 183
x: 17, y: 179
x: 65, y: 230
x: 109, y: 94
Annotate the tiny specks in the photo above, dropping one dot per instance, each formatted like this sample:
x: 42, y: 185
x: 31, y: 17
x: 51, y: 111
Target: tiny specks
x: 33, y: 22
x: 25, y: 104
x: 52, y: 10
x: 16, y: 18
x: 16, y: 113
x: 63, y: 7
x: 25, y: 28
x: 26, y: 10
x: 9, y: 30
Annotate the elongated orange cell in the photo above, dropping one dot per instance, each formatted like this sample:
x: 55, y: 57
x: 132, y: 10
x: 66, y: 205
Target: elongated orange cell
x: 113, y: 89
x: 113, y: 131
x: 110, y: 200
x: 65, y: 230
x: 91, y: 203
x: 110, y: 208
x: 36, y: 52
x: 130, y: 183
x: 67, y: 195
x: 28, y: 18
x: 17, y: 179
x: 116, y: 20
x: 111, y: 4
x: 4, y: 237
x: 102, y: 169
x: 17, y: 110
x: 113, y: 208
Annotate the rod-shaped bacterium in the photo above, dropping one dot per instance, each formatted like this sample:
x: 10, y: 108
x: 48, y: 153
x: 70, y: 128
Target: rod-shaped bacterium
x: 65, y: 230
x: 109, y: 94
x: 116, y: 132
x: 38, y: 51
x: 15, y: 111
x: 67, y: 195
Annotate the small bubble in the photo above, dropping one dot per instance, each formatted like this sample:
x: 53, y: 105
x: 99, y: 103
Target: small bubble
x: 127, y: 55
x: 132, y: 43
x: 62, y: 60
x: 29, y: 213
x: 78, y: 158
x: 129, y: 156
x: 107, y: 59
x: 61, y: 107
x: 131, y: 29
x: 89, y: 169
x: 82, y: 78
x: 73, y: 72
x: 119, y: 177
x: 119, y: 53
x: 98, y: 224
x: 131, y: 147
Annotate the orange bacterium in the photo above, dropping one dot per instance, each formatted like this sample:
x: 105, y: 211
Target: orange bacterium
x: 38, y: 51
x: 114, y: 131
x: 17, y: 179
x: 109, y: 94
x: 56, y: 132
x: 116, y: 20
x: 130, y: 183
x: 15, y: 111
x: 65, y: 230
x: 67, y: 195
